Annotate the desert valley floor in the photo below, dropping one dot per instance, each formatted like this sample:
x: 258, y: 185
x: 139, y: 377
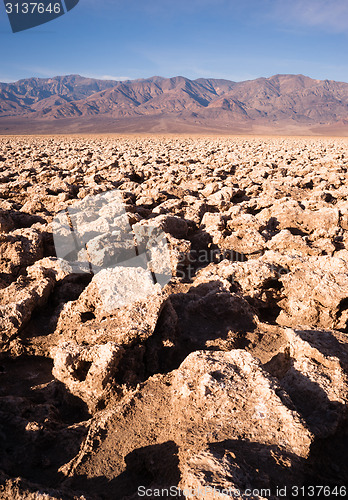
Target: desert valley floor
x: 232, y: 376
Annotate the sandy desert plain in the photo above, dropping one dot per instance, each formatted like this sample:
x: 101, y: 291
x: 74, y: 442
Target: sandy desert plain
x: 233, y: 376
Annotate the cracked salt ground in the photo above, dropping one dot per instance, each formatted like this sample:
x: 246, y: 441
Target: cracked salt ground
x: 234, y: 372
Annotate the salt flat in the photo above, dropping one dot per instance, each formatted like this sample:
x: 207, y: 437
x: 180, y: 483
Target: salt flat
x: 240, y: 359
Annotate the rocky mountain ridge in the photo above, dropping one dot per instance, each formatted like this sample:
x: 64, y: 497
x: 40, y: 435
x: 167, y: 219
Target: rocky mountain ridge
x: 171, y: 104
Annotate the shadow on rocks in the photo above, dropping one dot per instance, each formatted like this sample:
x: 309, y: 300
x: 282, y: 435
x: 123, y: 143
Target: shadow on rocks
x: 151, y: 467
x: 208, y: 316
x: 44, y: 321
x: 41, y: 423
x: 326, y: 418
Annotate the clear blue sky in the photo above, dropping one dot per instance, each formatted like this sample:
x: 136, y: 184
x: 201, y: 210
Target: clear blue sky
x: 233, y: 39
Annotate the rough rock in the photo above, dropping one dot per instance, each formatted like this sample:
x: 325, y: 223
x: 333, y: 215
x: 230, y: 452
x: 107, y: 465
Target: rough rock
x: 20, y: 248
x: 102, y: 305
x: 232, y: 397
x: 312, y: 367
x: 86, y: 371
x: 315, y: 294
x: 20, y: 299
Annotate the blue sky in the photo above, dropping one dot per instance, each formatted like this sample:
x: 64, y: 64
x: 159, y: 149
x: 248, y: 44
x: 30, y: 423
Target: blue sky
x: 232, y: 39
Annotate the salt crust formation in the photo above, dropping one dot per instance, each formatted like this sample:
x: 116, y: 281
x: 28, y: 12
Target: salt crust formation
x: 232, y: 375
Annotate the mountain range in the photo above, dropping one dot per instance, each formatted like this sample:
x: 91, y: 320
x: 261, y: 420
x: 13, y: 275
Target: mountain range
x: 72, y: 103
